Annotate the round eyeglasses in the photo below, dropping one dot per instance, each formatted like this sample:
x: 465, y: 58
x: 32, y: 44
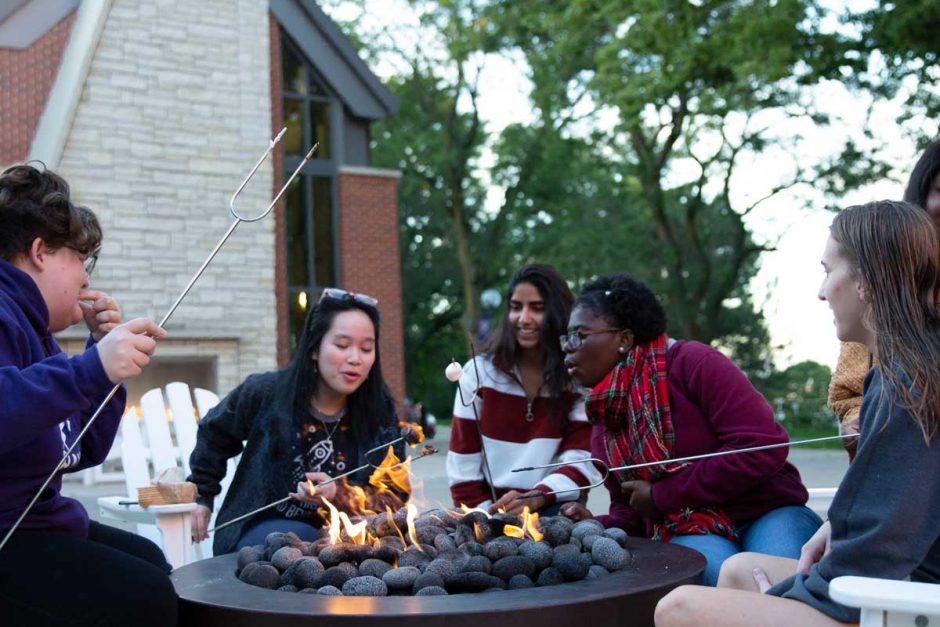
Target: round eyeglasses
x: 574, y: 341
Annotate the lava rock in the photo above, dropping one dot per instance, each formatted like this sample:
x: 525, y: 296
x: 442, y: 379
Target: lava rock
x: 474, y: 517
x: 306, y: 572
x: 473, y: 582
x: 277, y: 540
x: 428, y: 534
x: 431, y: 591
x: 361, y: 552
x: 285, y: 556
x: 335, y: 553
x: 540, y: 553
x: 414, y: 557
x: 444, y: 543
x: 566, y: 548
x: 350, y: 569
x: 444, y: 568
x: 500, y: 548
x: 617, y: 534
x: 562, y: 521
x: 556, y: 535
x: 571, y: 565
x: 512, y: 565
x: 471, y: 547
x: 365, y: 587
x: 464, y: 534
x: 477, y: 564
x: 596, y: 571
x: 248, y: 555
x: 374, y: 568
x: 549, y: 577
x: 609, y: 554
x: 401, y: 578
x: 429, y: 549
x: 287, y: 589
x: 400, y: 518
x: 520, y: 582
x: 387, y: 553
x: 335, y: 576
x: 263, y: 575
x: 586, y: 528
x: 588, y: 542
x: 576, y: 543
x: 426, y: 580
x: 393, y: 541
x: 329, y: 591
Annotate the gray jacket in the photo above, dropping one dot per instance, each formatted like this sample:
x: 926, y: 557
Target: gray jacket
x: 886, y: 515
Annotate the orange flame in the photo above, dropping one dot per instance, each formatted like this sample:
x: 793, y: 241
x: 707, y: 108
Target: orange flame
x: 530, y: 524
x: 391, y: 474
x: 514, y: 531
x: 313, y: 490
x: 478, y: 534
x: 412, y: 514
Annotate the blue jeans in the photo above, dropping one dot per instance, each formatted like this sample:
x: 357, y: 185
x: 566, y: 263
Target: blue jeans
x: 259, y: 531
x: 781, y: 532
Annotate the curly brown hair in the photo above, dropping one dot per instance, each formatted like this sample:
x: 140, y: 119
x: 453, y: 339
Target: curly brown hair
x: 35, y: 203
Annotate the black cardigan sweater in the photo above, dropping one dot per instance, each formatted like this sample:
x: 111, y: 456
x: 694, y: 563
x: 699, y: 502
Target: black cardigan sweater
x: 258, y: 412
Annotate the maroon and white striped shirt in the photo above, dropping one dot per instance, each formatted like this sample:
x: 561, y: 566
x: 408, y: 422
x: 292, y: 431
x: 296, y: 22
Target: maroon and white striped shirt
x: 512, y: 442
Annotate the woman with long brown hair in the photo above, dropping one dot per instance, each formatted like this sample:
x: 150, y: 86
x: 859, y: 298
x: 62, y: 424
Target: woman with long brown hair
x: 882, y: 265
x: 845, y: 389
x: 530, y: 412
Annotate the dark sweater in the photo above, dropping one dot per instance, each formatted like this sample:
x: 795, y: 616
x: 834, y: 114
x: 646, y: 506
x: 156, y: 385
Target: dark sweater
x: 886, y: 515
x: 714, y: 408
x: 258, y: 412
x: 46, y: 398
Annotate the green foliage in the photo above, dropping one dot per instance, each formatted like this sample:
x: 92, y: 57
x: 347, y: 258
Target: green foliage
x: 645, y: 111
x: 798, y: 396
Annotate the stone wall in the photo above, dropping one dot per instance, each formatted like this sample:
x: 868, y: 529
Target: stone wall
x: 174, y: 113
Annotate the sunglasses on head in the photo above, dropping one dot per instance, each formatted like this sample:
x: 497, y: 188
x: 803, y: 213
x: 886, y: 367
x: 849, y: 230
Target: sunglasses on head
x: 339, y: 294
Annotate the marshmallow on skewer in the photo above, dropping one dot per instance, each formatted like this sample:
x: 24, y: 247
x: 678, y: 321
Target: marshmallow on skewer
x: 453, y: 372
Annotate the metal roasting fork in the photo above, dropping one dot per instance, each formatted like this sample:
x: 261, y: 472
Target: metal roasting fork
x: 238, y: 220
x: 476, y: 418
x: 691, y: 458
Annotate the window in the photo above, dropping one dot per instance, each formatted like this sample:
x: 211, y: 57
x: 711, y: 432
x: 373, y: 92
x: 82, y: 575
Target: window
x: 309, y: 207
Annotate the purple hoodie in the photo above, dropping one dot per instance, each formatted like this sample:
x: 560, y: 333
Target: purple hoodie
x: 46, y: 398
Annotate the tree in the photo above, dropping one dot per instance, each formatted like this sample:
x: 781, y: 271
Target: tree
x: 690, y: 100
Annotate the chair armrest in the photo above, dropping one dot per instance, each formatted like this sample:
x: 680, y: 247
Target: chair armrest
x: 110, y: 507
x: 886, y: 594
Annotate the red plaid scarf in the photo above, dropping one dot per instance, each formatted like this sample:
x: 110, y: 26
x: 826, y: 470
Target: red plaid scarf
x: 632, y: 401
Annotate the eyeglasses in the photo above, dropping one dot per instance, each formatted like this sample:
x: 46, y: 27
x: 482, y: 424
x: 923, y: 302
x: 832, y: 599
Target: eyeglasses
x: 88, y: 261
x: 339, y: 294
x: 573, y: 341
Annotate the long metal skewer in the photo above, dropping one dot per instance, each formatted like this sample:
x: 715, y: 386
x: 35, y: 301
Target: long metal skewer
x: 476, y: 418
x: 176, y: 304
x: 607, y: 470
x: 319, y: 485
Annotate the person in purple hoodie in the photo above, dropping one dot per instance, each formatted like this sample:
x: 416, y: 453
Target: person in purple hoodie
x: 59, y: 568
x: 654, y: 398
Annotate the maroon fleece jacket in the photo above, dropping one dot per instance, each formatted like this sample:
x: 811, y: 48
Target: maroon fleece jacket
x: 714, y: 408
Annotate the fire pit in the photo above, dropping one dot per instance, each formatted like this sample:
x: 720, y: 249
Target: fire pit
x: 211, y: 594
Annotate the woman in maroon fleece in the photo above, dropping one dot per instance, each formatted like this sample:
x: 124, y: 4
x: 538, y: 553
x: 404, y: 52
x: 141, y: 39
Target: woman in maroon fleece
x: 654, y: 398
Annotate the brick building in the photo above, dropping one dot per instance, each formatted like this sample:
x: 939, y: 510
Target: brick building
x: 155, y: 110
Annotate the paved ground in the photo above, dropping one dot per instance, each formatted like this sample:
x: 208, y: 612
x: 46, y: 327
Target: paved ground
x: 819, y: 468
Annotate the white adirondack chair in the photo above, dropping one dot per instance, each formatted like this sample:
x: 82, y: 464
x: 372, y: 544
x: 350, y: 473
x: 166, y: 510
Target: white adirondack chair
x: 889, y: 603
x: 142, y: 461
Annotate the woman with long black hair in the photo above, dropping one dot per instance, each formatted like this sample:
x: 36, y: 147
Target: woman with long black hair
x: 530, y: 412
x: 313, y: 420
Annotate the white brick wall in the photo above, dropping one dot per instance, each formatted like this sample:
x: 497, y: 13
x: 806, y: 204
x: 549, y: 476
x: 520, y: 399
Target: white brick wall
x: 175, y: 111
